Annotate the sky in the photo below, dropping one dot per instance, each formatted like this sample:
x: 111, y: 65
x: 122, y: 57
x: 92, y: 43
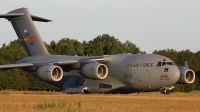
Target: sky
x: 150, y: 24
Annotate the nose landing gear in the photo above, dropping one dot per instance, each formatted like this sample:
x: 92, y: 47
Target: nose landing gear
x: 165, y: 90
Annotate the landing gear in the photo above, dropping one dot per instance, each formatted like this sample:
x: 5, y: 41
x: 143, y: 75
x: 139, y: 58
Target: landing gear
x: 85, y: 90
x: 165, y: 90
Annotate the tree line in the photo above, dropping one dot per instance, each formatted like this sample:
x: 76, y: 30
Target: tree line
x: 101, y: 45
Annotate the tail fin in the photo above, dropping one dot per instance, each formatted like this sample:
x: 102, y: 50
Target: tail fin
x: 26, y: 31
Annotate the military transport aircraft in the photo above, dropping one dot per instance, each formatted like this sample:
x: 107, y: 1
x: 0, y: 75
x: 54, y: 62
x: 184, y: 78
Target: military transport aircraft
x: 122, y: 73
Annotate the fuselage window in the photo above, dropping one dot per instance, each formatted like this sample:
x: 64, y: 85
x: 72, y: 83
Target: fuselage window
x: 159, y: 64
x: 163, y: 63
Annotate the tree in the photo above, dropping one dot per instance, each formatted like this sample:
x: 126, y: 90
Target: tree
x: 101, y: 45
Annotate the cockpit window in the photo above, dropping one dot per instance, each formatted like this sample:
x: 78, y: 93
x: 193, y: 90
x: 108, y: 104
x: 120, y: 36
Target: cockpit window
x: 159, y: 64
x: 164, y: 63
x: 170, y: 63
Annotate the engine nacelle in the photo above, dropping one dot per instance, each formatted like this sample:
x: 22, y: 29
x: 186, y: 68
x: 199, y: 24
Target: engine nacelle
x: 187, y: 76
x: 50, y: 73
x: 95, y: 71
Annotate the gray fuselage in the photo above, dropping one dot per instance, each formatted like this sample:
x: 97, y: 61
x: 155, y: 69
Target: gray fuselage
x: 136, y: 72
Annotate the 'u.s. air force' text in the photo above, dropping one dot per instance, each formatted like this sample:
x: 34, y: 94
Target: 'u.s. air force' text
x: 134, y: 65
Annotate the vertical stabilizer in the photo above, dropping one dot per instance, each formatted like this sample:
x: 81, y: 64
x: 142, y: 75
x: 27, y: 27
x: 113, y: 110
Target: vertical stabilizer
x: 26, y: 31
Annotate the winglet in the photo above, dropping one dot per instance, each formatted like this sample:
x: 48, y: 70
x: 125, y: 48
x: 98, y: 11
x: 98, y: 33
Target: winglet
x: 186, y: 65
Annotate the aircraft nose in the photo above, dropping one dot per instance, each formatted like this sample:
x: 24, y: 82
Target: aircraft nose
x: 174, y: 74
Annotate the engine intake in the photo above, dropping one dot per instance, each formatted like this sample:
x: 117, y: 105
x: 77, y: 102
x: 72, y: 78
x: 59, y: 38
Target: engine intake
x: 95, y: 71
x: 187, y: 76
x: 50, y: 73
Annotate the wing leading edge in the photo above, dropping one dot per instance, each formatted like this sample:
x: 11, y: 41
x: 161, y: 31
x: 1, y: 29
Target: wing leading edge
x: 18, y: 65
x: 22, y: 65
x: 54, y: 62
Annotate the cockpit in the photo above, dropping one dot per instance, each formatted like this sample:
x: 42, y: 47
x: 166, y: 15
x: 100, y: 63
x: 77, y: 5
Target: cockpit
x: 165, y: 63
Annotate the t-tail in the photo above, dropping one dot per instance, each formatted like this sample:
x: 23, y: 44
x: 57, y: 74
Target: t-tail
x: 22, y: 22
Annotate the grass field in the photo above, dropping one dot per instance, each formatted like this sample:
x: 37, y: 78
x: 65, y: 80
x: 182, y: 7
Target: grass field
x: 30, y: 101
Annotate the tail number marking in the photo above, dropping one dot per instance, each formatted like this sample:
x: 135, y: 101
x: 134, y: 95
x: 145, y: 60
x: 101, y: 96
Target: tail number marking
x: 28, y: 39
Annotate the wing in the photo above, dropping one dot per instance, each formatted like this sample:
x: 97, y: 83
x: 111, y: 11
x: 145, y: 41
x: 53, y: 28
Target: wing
x: 23, y: 65
x: 54, y: 62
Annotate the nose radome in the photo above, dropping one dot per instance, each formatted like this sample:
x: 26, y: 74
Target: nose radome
x: 174, y: 74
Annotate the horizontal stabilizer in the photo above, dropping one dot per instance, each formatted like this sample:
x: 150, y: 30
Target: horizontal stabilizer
x: 10, y: 16
x: 14, y: 15
x: 36, y: 18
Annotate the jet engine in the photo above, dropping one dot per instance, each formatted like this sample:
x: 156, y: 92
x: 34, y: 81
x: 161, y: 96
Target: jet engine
x: 50, y: 73
x: 95, y: 71
x: 187, y: 76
